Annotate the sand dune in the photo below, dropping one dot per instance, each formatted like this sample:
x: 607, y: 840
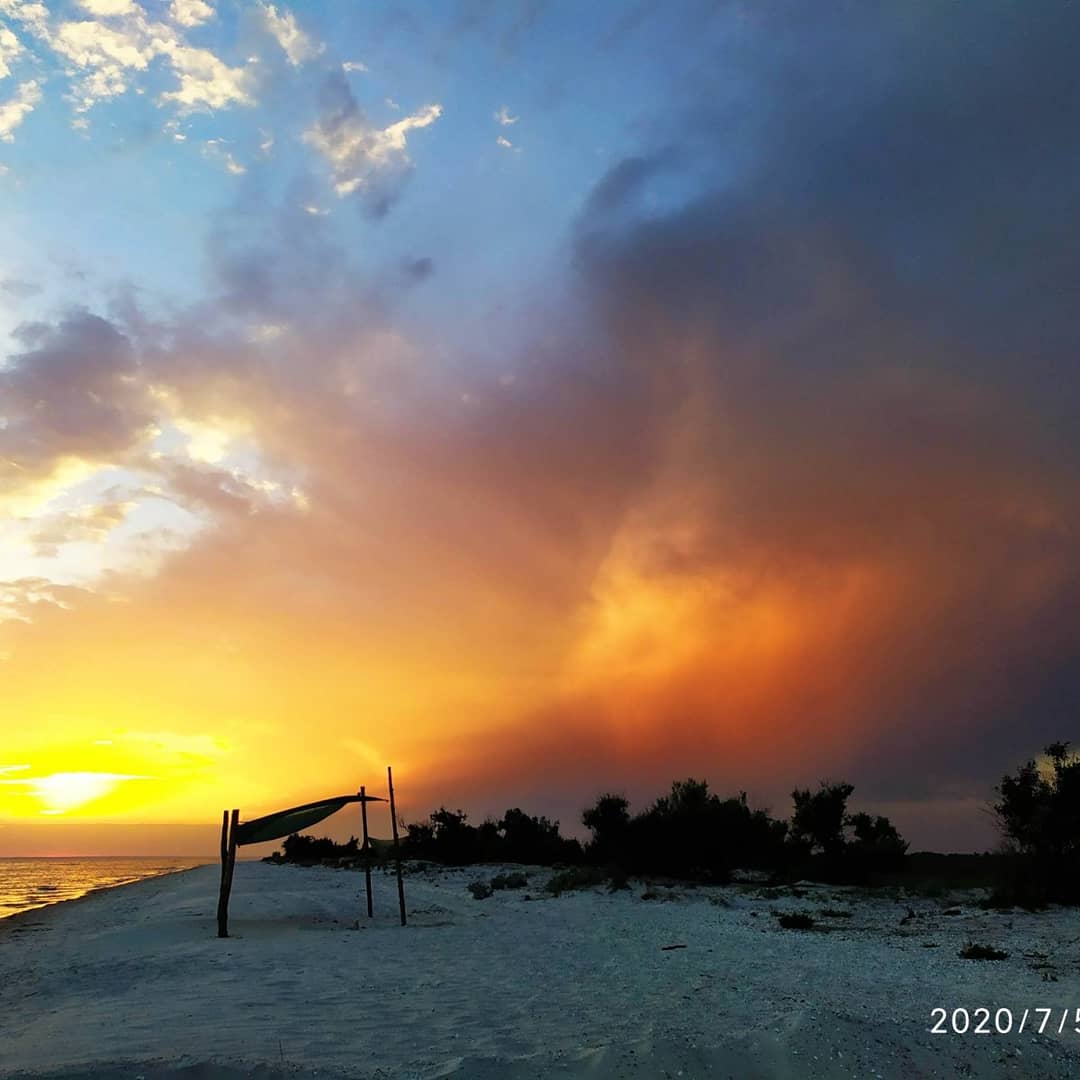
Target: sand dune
x: 133, y: 983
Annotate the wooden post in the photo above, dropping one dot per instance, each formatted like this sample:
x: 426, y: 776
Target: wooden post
x: 223, y: 897
x: 364, y: 849
x: 228, y: 862
x: 397, y: 849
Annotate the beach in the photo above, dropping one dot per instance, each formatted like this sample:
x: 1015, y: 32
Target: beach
x: 688, y: 982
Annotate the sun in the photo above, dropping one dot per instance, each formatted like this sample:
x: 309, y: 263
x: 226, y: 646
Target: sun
x: 61, y: 792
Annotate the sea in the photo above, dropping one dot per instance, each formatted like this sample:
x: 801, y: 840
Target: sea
x: 27, y: 883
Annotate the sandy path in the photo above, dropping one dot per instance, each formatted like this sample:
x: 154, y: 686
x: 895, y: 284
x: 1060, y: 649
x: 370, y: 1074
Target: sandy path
x: 575, y: 986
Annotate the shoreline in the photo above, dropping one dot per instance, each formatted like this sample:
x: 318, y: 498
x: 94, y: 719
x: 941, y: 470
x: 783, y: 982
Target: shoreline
x: 7, y: 920
x: 642, y: 983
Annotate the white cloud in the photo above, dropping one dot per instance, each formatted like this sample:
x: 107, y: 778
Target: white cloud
x: 106, y: 8
x: 297, y: 46
x: 504, y: 142
x: 10, y: 47
x: 215, y: 148
x: 190, y: 12
x: 206, y: 82
x: 357, y: 150
x: 32, y: 13
x: 108, y: 55
x: 15, y: 110
x: 354, y: 65
x: 502, y: 116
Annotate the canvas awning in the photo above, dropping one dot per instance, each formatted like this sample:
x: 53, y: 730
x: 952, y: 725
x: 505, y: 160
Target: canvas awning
x: 287, y: 822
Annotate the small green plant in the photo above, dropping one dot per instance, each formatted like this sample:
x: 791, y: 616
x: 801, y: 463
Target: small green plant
x: 481, y: 890
x: 971, y: 951
x: 796, y: 920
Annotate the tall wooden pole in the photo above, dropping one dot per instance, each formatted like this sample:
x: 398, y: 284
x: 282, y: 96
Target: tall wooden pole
x: 397, y: 849
x: 223, y: 900
x: 228, y: 862
x: 364, y: 849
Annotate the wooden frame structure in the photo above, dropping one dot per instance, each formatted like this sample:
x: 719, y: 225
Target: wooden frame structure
x: 235, y: 834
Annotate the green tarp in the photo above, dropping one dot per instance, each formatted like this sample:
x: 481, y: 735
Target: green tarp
x: 293, y: 820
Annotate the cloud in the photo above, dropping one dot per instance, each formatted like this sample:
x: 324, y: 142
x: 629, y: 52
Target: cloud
x: 354, y: 65
x: 298, y: 46
x: 72, y: 396
x: 21, y: 290
x: 504, y: 142
x: 106, y: 8
x: 188, y: 13
x: 31, y: 13
x: 10, y: 47
x: 365, y: 160
x: 107, y: 53
x: 20, y: 598
x: 502, y: 116
x: 215, y: 148
x: 91, y: 523
x: 789, y: 488
x: 16, y: 109
x: 419, y: 269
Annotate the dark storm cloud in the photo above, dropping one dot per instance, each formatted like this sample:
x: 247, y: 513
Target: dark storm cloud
x: 879, y: 312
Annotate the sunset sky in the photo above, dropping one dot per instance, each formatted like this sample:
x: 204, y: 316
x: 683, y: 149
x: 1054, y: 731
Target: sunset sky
x: 540, y: 397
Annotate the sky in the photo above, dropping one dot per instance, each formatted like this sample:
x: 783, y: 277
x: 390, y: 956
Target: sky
x: 542, y: 398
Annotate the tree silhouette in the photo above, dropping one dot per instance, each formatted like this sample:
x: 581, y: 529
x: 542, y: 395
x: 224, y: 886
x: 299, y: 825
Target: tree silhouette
x: 820, y: 817
x: 1038, y: 809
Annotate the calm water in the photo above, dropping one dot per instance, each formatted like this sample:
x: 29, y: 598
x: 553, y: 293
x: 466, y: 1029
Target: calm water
x: 33, y: 883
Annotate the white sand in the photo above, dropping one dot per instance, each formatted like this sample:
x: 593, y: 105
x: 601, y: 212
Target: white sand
x: 133, y: 983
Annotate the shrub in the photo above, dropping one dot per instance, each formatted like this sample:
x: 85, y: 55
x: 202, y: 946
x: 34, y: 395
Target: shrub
x: 577, y: 877
x: 481, y: 890
x: 313, y: 849
x: 617, y: 880
x: 447, y: 837
x: 796, y: 920
x: 509, y: 881
x: 836, y: 846
x: 690, y: 834
x: 971, y: 951
x: 609, y: 822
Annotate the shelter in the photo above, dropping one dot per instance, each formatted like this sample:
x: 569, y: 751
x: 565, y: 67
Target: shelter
x: 236, y: 833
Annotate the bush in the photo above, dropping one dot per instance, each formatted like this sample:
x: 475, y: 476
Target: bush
x: 796, y: 920
x: 617, y: 880
x: 577, y: 877
x: 310, y: 849
x: 971, y: 951
x: 832, y: 845
x: 447, y: 837
x: 481, y: 890
x: 509, y: 881
x: 690, y: 834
